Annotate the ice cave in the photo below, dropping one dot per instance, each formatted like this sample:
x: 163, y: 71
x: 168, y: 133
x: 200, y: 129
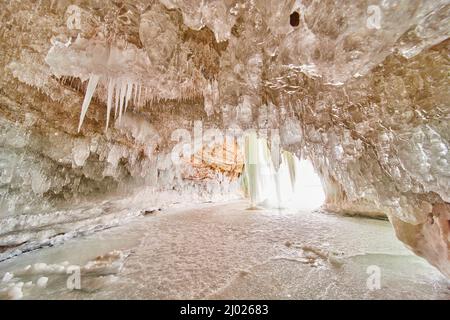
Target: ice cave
x: 225, y: 149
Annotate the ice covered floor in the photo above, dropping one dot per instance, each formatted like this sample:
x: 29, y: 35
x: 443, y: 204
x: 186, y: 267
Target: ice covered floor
x: 223, y: 251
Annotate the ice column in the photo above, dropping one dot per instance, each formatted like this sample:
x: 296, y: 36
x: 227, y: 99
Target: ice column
x: 251, y: 170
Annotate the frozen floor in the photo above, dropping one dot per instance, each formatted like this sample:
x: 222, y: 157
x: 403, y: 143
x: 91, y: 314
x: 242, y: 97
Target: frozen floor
x: 223, y: 251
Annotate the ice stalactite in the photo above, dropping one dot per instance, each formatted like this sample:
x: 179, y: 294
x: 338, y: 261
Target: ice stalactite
x: 93, y: 81
x: 123, y: 92
x: 292, y: 164
x: 111, y: 86
x: 261, y: 176
x: 119, y: 92
x: 138, y: 105
x: 285, y: 181
x: 284, y: 187
x: 135, y: 92
x: 128, y: 95
x: 211, y: 96
x: 116, y: 98
x: 269, y: 193
x: 123, y: 95
x: 251, y: 173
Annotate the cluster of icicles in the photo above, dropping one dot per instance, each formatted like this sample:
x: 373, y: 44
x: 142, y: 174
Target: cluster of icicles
x: 120, y: 93
x: 294, y: 184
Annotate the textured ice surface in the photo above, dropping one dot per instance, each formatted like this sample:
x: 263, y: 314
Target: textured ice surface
x: 225, y: 251
x: 22, y: 233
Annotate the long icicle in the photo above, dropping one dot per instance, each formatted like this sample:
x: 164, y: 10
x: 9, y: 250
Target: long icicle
x: 128, y: 96
x: 111, y: 85
x: 139, y: 96
x: 117, y: 97
x: 123, y: 92
x: 93, y: 81
x: 135, y: 95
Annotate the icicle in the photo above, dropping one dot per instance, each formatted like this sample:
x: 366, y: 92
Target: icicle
x: 93, y: 80
x: 145, y: 96
x: 117, y: 97
x: 111, y: 85
x: 135, y: 94
x: 123, y: 92
x: 128, y: 96
x: 251, y: 159
x: 139, y: 97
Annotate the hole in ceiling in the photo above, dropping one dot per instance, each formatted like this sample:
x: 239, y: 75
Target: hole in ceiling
x: 294, y: 19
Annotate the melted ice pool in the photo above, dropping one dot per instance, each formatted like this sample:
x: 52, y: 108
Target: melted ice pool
x: 224, y: 251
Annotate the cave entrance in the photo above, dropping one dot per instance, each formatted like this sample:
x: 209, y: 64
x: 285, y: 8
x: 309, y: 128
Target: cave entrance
x: 292, y: 183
